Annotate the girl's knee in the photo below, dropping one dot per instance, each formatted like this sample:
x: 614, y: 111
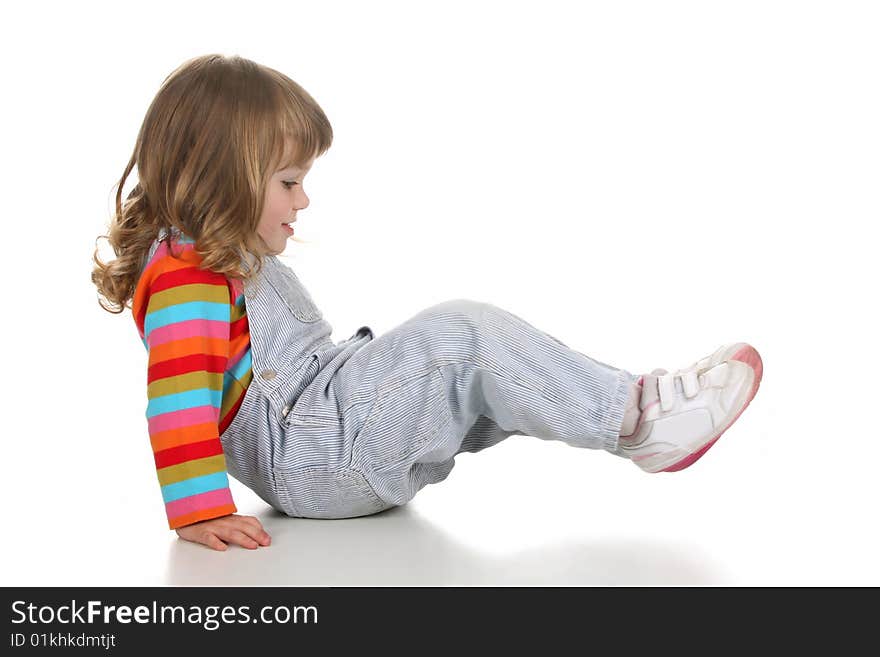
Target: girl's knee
x: 451, y: 330
x: 462, y: 309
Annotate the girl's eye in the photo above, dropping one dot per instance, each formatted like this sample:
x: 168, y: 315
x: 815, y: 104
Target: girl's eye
x: 289, y: 184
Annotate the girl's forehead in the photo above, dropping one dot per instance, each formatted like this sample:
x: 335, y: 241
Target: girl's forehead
x: 293, y: 168
x: 289, y: 166
x: 287, y: 158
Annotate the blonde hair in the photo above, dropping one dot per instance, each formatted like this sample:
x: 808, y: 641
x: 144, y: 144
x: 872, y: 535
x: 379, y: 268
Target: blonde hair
x: 215, y: 133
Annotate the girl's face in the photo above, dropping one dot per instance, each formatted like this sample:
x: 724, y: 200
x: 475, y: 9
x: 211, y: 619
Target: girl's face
x: 284, y: 198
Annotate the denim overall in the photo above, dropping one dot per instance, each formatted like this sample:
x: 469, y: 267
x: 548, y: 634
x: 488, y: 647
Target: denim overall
x: 339, y: 430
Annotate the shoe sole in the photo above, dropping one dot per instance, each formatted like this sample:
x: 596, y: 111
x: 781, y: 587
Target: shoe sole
x: 750, y: 356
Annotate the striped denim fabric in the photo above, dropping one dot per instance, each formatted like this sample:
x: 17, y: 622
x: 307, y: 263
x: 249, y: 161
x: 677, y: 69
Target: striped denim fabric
x: 347, y: 429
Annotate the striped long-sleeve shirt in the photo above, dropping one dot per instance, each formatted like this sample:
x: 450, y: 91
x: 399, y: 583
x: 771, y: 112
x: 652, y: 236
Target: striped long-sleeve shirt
x: 195, y: 329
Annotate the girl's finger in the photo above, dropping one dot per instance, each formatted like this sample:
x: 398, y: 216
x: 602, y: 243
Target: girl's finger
x: 252, y: 527
x: 258, y: 534
x: 213, y: 542
x: 240, y: 538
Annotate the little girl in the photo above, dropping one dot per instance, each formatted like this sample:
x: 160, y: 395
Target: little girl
x: 244, y: 379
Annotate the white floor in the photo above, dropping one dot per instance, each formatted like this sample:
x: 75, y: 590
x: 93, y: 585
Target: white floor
x: 765, y: 506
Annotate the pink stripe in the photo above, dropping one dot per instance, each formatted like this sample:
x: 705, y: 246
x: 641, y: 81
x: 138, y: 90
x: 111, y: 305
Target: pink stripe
x: 232, y: 362
x: 198, y: 502
x: 162, y: 250
x: 238, y: 287
x: 189, y: 329
x: 183, y: 418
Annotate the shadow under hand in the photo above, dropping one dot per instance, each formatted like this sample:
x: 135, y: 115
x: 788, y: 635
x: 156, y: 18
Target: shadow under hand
x: 399, y: 547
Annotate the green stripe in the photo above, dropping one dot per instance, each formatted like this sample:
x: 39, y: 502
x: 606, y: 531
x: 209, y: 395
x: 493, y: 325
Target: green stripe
x: 189, y: 469
x: 185, y: 383
x: 190, y: 292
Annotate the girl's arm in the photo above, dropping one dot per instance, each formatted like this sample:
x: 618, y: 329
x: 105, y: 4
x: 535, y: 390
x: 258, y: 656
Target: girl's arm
x: 184, y: 317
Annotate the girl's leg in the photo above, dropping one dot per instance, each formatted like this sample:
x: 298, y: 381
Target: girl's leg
x: 464, y: 375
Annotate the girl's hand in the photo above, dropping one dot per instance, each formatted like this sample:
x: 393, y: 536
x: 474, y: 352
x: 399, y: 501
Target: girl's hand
x: 245, y: 531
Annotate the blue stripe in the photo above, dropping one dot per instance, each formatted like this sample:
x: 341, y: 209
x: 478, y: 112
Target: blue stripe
x: 242, y: 366
x: 182, y: 400
x: 181, y: 312
x: 194, y: 486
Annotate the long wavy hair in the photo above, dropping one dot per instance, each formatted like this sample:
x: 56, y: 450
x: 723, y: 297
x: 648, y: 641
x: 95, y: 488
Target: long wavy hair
x: 215, y: 133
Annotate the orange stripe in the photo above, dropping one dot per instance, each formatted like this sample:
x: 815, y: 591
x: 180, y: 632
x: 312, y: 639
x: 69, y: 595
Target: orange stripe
x: 183, y: 436
x: 201, y: 514
x: 141, y: 295
x: 155, y: 269
x: 238, y: 343
x: 189, y: 347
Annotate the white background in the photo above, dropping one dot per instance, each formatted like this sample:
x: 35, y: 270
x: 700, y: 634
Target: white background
x: 645, y: 181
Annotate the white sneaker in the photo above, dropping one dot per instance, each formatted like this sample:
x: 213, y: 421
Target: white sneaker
x: 685, y: 412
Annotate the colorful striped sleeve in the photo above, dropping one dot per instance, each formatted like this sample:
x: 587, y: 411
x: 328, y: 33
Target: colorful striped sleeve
x: 186, y: 329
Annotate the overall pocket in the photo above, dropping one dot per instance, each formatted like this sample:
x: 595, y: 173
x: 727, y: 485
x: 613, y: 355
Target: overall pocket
x: 301, y: 407
x: 323, y: 492
x: 404, y: 421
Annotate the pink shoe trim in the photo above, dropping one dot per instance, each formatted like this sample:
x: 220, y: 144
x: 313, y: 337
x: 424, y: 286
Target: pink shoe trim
x: 750, y: 357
